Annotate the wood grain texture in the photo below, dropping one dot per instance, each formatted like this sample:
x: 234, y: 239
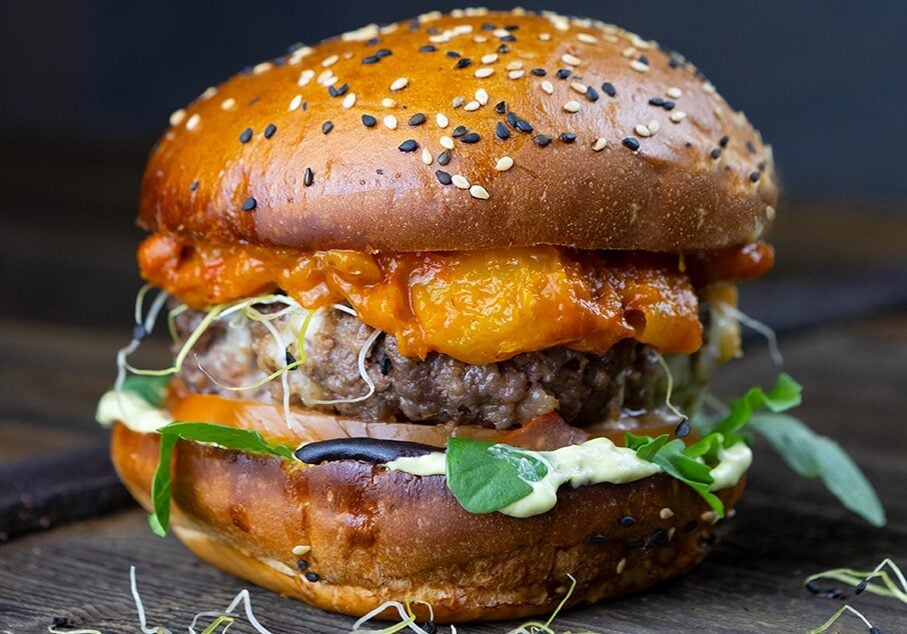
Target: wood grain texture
x: 785, y: 529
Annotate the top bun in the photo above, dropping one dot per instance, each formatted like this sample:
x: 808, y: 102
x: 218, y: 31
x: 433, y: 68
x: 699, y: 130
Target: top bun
x: 339, y: 146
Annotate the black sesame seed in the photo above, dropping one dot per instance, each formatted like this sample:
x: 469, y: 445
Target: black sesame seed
x: 751, y: 147
x: 501, y: 131
x: 443, y: 177
x: 668, y: 105
x: 503, y: 50
x: 635, y: 544
x: 874, y: 630
x: 305, y: 106
x: 249, y: 204
x: 246, y: 135
x: 523, y: 126
x: 658, y: 537
x: 311, y: 576
x: 631, y: 142
x: 372, y: 42
x: 723, y: 141
x: 500, y: 107
x: 444, y: 157
x: 683, y: 429
x: 432, y: 30
x: 656, y: 101
x: 384, y: 52
x: 488, y: 27
x: 627, y: 521
x: 512, y: 27
x: 414, y: 25
x: 452, y: 54
x: 409, y: 145
x: 472, y: 137
x: 595, y: 539
x: 379, y: 172
x: 385, y: 365
x: 428, y: 48
x: 416, y: 119
x: 567, y: 137
x: 539, y: 72
x: 609, y: 89
x: 675, y: 62
x: 371, y: 59
x: 591, y: 94
x: 193, y: 186
x: 430, y: 627
x: 308, y: 177
x: 290, y: 359
x: 369, y: 121
x: 61, y: 621
x: 860, y: 587
x: 508, y: 38
x: 689, y: 527
x: 338, y: 92
x: 139, y: 333
x: 270, y: 130
x: 754, y: 176
x: 716, y: 153
x: 563, y: 73
x: 463, y: 62
x: 326, y: 127
x: 542, y: 139
x: 459, y: 131
x: 511, y: 119
x: 814, y: 587
x: 644, y: 59
x: 761, y: 165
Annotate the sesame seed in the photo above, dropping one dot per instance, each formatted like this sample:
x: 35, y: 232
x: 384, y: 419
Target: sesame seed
x: 723, y: 141
x: 715, y: 153
x: 491, y: 58
x: 482, y: 96
x: 547, y: 87
x: 500, y: 107
x: 302, y: 564
x: 755, y: 176
x: 770, y: 212
x: 570, y: 60
x: 563, y: 73
x: 609, y: 89
x: 666, y: 513
x: 542, y: 139
x: 653, y: 126
x: 477, y: 191
x: 708, y: 87
x: 463, y: 62
x: 599, y: 144
x: 485, y: 71
x: 349, y: 101
x: 311, y: 576
x: 643, y: 59
x: 452, y: 54
x: 690, y: 526
x: 390, y: 122
x: 427, y: 158
x: 399, y: 84
x: 441, y: 120
x: 258, y: 69
x: 710, y: 517
x: 595, y: 539
x: 471, y: 137
x: 295, y: 102
x: 326, y: 127
x: 246, y: 135
x: 579, y: 87
x: 460, y: 181
x: 511, y: 118
x: 627, y: 521
x: 330, y: 61
x: 539, y: 72
x: 456, y: 102
x: 683, y: 428
x: 572, y: 106
x: 656, y: 101
x: 592, y: 94
x: 416, y: 119
x: 642, y: 130
x: 635, y: 544
x: 371, y: 59
x: 193, y: 186
x: 249, y: 204
x: 630, y: 142
x: 383, y: 52
x: 621, y: 566
x: 472, y: 106
x: 639, y: 67
x: 501, y: 131
x: 447, y: 143
x: 674, y: 92
x: 515, y: 65
x: 193, y: 121
x: 369, y: 121
x: 387, y: 102
x: 444, y: 157
x: 516, y: 74
x: 587, y: 38
x: 678, y: 116
x: 305, y: 77
x: 270, y: 129
x: 544, y: 37
x: 443, y: 177
x: 523, y: 126
x: 567, y: 137
x: 459, y: 131
x: 301, y: 550
x: 503, y: 164
x: 409, y: 145
x: 668, y: 105
x: 229, y: 102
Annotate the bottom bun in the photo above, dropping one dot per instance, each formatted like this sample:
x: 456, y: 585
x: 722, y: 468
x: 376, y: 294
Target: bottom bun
x: 363, y: 534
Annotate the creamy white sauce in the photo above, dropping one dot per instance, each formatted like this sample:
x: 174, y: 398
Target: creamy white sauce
x: 132, y: 410
x: 732, y: 463
x: 433, y: 463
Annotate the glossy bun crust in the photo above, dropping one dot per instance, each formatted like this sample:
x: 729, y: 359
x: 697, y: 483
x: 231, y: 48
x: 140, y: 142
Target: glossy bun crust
x: 376, y: 535
x: 272, y: 157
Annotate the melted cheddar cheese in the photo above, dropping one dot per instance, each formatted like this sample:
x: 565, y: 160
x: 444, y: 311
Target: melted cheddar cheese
x: 476, y: 306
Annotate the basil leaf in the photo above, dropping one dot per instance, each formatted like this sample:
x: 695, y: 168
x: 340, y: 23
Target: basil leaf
x: 812, y: 455
x: 221, y: 435
x: 485, y: 477
x: 671, y: 456
x: 783, y: 396
x: 151, y: 388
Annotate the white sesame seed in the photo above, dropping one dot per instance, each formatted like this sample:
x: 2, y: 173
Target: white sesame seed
x: 295, y: 102
x: 305, y: 77
x: 390, y: 122
x: 229, y: 102
x: 177, y: 116
x: 349, y: 101
x: 500, y: 32
x: 399, y: 84
x: 641, y: 43
x: 600, y: 144
x: 516, y: 74
x: 673, y: 530
x: 548, y: 87
x: 441, y: 120
x: 678, y: 115
x: 572, y: 106
x: 544, y: 37
x: 192, y: 123
x: 515, y: 65
x: 587, y: 38
x: 621, y: 566
x: 210, y: 91
x: 426, y: 156
x: 456, y: 102
x: 477, y: 191
x: 571, y: 60
x: 301, y: 550
x: 479, y: 39
x: 718, y: 113
x: 770, y: 213
x: 491, y: 58
x: 482, y: 96
x: 471, y: 106
x: 629, y: 52
x: 580, y: 88
x: 639, y: 67
x: 459, y: 181
x: 666, y: 513
x: 642, y: 130
x: 431, y: 16
x: 674, y: 92
x: 258, y: 69
x: 387, y: 102
x: 447, y: 143
x: 329, y: 61
x: 710, y: 517
x: 708, y: 87
x: 653, y: 126
x: 348, y: 55
x: 504, y: 163
x: 326, y: 78
x: 485, y: 71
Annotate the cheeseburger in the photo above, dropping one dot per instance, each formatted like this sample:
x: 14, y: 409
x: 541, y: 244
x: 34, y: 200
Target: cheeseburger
x: 443, y: 295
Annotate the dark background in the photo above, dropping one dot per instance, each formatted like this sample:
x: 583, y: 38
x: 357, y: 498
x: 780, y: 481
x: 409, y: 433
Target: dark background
x: 86, y: 87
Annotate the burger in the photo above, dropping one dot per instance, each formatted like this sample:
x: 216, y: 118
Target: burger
x: 444, y: 294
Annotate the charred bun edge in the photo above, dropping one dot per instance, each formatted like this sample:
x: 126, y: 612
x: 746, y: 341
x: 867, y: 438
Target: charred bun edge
x: 465, y: 131
x: 347, y: 536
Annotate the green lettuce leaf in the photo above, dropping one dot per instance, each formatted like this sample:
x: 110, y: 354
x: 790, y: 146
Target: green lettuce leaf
x: 151, y: 388
x: 785, y: 395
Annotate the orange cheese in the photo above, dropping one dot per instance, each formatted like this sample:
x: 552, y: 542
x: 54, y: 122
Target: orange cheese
x: 476, y: 306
